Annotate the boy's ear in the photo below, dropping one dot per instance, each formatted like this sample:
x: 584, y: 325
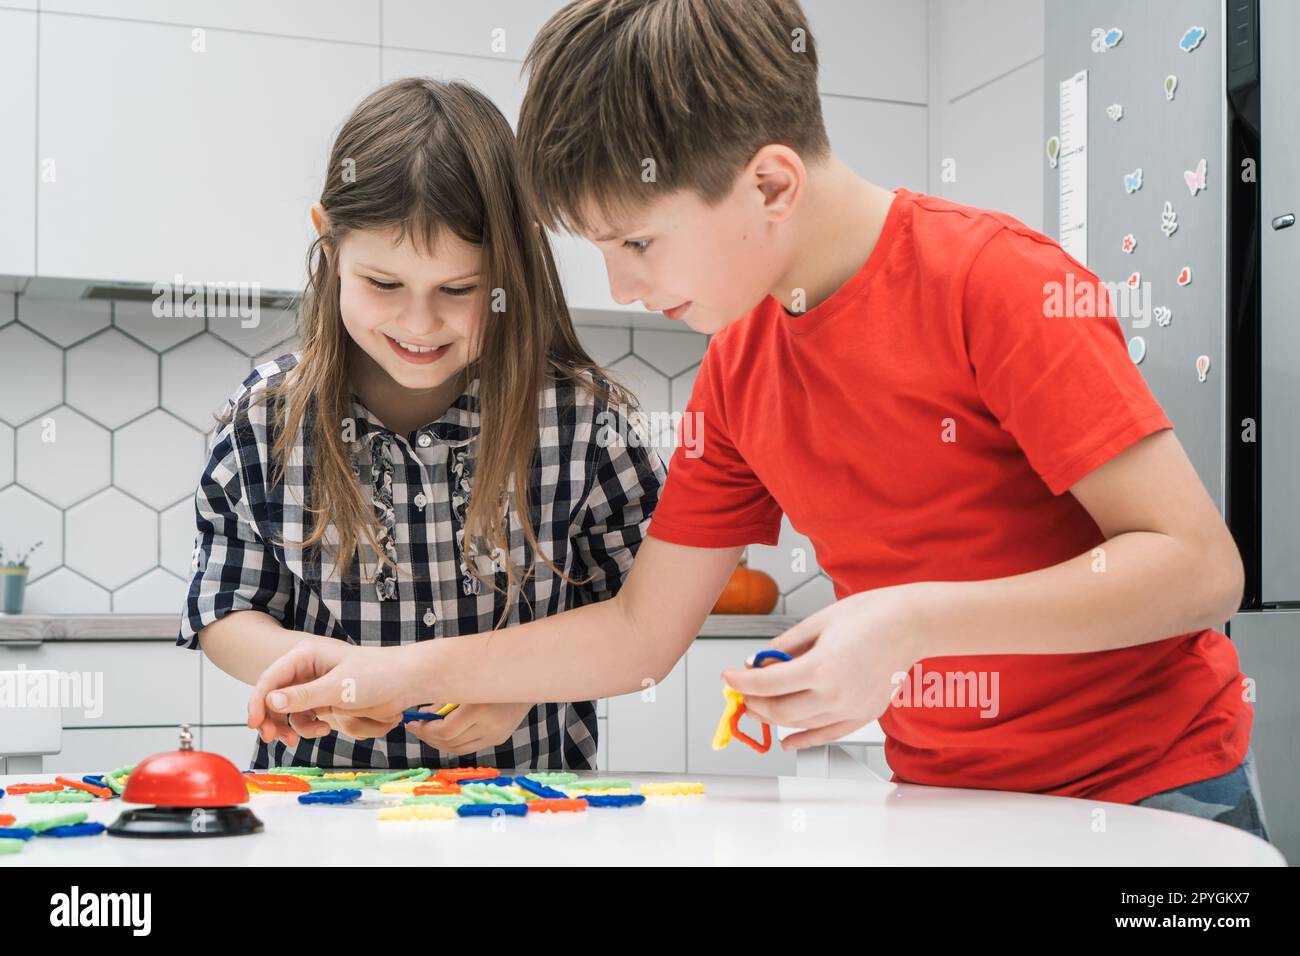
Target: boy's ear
x: 780, y: 175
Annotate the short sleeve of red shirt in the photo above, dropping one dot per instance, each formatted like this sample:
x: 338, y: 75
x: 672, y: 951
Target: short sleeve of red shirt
x: 712, y: 498
x: 1054, y: 371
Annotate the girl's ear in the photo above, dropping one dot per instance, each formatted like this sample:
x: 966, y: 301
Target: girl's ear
x: 320, y: 219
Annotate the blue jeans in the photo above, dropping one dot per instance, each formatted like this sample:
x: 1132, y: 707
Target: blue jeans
x: 1232, y: 798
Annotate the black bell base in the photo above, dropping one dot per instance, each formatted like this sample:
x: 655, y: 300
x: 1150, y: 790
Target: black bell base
x: 182, y: 823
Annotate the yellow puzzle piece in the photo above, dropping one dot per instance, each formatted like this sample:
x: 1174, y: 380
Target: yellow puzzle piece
x: 734, y: 698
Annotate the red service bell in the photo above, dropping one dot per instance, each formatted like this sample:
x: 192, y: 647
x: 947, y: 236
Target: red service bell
x: 192, y: 794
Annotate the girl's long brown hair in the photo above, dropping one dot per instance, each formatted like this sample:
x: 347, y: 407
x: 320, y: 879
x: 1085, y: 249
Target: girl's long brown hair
x: 424, y: 155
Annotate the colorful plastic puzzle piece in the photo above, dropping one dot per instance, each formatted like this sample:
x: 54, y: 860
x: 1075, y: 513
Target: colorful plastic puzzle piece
x: 438, y: 714
x: 75, y: 830
x: 734, y: 708
x: 438, y: 799
x: 553, y: 777
x: 8, y: 845
x: 61, y: 796
x: 557, y: 805
x: 673, y: 789
x: 276, y: 783
x: 67, y: 820
x: 90, y: 788
x: 21, y: 788
x: 419, y: 811
x: 493, y: 810
x: 484, y: 793
x: 16, y: 833
x: 618, y: 800
x: 539, y: 789
x: 464, y: 774
x: 330, y: 796
x: 7, y: 819
x: 299, y: 771
x: 435, y: 788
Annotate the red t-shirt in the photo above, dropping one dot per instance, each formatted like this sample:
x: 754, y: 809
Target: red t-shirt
x: 838, y: 418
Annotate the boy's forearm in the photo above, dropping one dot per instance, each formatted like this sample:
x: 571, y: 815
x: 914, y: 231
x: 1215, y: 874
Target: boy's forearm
x: 1135, y: 588
x: 245, y: 643
x: 600, y: 650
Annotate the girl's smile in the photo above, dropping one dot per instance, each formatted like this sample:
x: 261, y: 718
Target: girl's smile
x: 417, y: 354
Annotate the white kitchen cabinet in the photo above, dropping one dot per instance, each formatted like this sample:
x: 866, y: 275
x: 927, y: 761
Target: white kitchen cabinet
x: 236, y: 743
x: 646, y: 730
x: 18, y: 157
x: 101, y: 749
x: 116, y: 684
x: 225, y: 698
x: 705, y: 661
x: 173, y: 161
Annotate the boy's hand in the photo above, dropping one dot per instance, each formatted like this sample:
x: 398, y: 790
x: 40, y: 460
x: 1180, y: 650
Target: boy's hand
x: 331, y: 685
x: 470, y: 727
x: 842, y: 675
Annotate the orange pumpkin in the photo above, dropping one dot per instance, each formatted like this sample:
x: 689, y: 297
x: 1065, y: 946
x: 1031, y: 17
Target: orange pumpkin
x: 748, y: 592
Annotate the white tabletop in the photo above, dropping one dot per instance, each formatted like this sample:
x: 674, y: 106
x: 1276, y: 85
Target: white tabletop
x: 740, y: 820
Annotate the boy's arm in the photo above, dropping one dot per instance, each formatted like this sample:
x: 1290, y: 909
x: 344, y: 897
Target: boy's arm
x: 1169, y: 566
x: 599, y: 650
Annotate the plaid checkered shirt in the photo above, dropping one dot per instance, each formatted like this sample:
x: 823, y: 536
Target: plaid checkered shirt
x: 590, y: 502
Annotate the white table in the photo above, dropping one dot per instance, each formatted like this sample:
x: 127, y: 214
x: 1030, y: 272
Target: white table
x: 741, y: 820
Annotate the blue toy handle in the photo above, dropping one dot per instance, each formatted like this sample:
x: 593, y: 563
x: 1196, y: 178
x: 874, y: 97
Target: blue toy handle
x: 772, y: 655
x: 421, y: 715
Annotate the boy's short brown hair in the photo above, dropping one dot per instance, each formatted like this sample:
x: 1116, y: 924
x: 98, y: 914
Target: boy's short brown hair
x: 628, y: 100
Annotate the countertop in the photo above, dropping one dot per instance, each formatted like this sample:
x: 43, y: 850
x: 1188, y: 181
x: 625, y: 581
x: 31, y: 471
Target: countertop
x: 739, y: 821
x: 163, y: 627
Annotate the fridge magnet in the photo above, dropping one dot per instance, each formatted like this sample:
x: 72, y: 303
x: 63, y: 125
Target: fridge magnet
x: 1191, y: 39
x: 1171, y: 84
x: 1168, y: 220
x: 1137, y: 349
x: 1115, y: 112
x: 1053, y: 151
x: 1134, y: 280
x: 1104, y: 39
x: 1162, y: 314
x: 1184, y: 276
x: 1133, y: 181
x: 1195, y: 178
x: 1202, y: 367
x: 1128, y: 243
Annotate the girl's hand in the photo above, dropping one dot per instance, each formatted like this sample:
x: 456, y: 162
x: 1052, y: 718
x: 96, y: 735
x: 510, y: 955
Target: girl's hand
x: 332, y: 685
x: 470, y: 727
x: 846, y: 658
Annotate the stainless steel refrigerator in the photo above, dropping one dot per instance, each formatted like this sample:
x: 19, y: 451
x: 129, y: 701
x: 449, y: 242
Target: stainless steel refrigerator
x: 1172, y: 145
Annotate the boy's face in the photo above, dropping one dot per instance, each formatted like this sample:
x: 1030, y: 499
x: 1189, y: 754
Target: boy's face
x: 415, y: 313
x: 705, y: 265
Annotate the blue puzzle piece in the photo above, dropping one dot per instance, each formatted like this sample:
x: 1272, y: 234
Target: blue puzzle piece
x: 330, y: 796
x: 493, y: 809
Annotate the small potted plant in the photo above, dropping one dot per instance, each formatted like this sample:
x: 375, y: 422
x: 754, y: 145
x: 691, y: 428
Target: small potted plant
x: 13, y: 580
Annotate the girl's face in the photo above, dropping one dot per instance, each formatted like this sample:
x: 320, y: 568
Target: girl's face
x: 416, y: 314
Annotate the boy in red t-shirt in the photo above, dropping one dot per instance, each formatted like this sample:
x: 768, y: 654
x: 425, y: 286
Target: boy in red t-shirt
x: 917, y: 385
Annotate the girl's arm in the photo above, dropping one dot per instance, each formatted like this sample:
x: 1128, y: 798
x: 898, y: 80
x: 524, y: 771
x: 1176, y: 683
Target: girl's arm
x: 245, y: 643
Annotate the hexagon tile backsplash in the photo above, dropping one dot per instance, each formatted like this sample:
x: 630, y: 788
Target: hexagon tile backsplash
x: 128, y: 400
